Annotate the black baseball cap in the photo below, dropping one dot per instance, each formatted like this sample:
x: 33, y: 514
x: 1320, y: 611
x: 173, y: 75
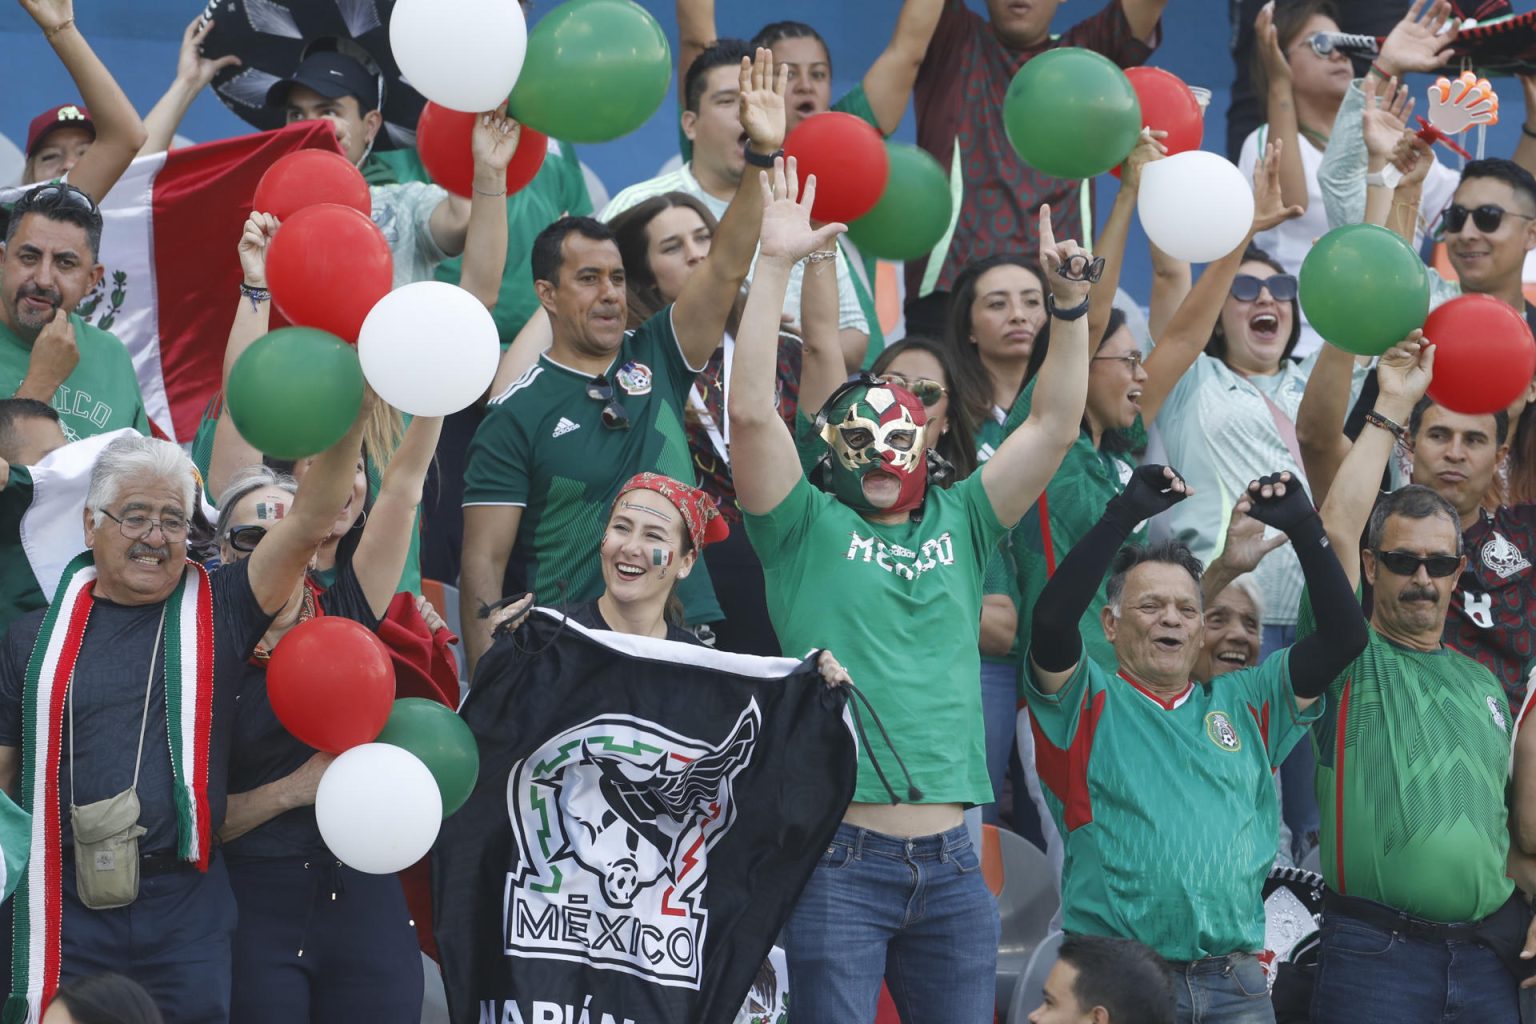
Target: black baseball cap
x: 332, y: 75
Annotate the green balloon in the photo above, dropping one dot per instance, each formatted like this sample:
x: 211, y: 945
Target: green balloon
x: 295, y: 392
x: 913, y: 212
x: 443, y: 742
x: 1363, y: 289
x: 1071, y: 113
x: 595, y: 70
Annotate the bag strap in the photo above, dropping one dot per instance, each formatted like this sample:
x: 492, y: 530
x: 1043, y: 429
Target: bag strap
x: 138, y: 758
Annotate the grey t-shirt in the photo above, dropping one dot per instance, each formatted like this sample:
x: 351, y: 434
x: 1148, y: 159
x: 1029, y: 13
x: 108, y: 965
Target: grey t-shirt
x: 108, y: 688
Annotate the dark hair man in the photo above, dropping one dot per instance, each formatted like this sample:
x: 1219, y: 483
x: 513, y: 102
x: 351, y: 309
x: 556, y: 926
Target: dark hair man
x: 48, y: 263
x: 1098, y: 980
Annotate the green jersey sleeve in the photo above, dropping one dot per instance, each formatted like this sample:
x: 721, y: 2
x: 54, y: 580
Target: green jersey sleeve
x: 500, y: 461
x: 1057, y: 713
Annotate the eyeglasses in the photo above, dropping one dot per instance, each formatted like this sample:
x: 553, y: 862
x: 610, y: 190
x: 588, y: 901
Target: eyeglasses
x: 1406, y: 563
x: 1132, y: 360
x: 245, y: 538
x: 1281, y: 287
x: 137, y: 527
x: 1082, y: 268
x: 929, y: 392
x: 1322, y: 44
x: 1487, y: 217
x: 615, y: 417
x: 53, y: 196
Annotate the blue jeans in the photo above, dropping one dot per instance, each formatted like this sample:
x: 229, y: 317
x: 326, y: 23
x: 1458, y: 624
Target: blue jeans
x: 914, y: 911
x: 1365, y: 973
x: 1298, y: 772
x: 1223, y: 990
x: 999, y: 710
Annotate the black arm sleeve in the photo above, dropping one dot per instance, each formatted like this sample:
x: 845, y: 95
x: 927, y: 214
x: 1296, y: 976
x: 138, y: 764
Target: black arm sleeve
x: 1341, y: 631
x: 1054, y: 642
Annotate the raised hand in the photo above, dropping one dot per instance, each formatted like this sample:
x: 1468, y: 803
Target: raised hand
x: 1246, y: 543
x: 762, y: 100
x: 1148, y: 148
x: 259, y: 229
x: 787, y: 233
x: 1404, y: 371
x: 50, y: 15
x: 192, y: 68
x: 1067, y: 291
x: 1278, y: 500
x: 1152, y: 489
x: 492, y: 142
x: 1266, y: 39
x: 1385, y: 117
x: 1269, y: 208
x: 1421, y: 41
x: 1414, y: 157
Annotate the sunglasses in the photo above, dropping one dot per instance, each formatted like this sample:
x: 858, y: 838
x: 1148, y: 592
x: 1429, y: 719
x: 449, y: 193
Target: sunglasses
x: 1082, y: 268
x: 245, y: 538
x: 615, y: 416
x: 1405, y: 563
x: 1281, y: 287
x: 55, y: 195
x: 1321, y: 43
x: 1487, y: 217
x: 929, y: 392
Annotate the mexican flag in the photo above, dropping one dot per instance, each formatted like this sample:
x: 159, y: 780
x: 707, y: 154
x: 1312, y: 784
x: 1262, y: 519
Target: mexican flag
x: 168, y: 244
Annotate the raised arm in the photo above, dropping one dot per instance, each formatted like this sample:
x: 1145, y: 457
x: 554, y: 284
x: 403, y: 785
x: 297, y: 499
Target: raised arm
x: 1403, y: 373
x: 765, y: 464
x: 231, y: 452
x: 889, y: 80
x: 386, y: 540
x: 705, y: 302
x: 492, y: 142
x: 1055, y: 645
x: 193, y: 73
x: 1242, y: 551
x: 1280, y: 107
x: 1117, y: 227
x: 1026, y: 461
x: 822, y: 365
x: 1143, y: 16
x: 1171, y: 283
x: 119, y: 132
x: 1320, y: 419
x: 695, y: 31
x: 1383, y: 126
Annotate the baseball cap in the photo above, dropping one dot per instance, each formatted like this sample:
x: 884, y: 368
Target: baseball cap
x: 65, y: 115
x: 332, y: 75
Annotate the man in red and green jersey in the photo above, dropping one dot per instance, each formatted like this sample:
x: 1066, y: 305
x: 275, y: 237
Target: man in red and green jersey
x: 1420, y: 920
x: 1163, y: 787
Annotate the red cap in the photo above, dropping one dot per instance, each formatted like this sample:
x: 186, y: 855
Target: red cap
x: 67, y: 114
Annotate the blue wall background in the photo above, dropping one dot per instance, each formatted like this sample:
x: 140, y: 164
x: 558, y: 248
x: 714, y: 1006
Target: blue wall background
x: 138, y: 40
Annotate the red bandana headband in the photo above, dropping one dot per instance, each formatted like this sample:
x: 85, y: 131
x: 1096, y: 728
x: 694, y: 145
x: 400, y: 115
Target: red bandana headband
x: 705, y: 525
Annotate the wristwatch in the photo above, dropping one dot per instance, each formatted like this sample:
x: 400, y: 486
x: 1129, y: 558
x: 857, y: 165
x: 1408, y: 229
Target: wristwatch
x: 1387, y: 177
x: 758, y: 160
x: 1074, y: 313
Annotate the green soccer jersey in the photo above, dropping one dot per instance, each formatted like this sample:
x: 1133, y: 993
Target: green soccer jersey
x: 900, y: 607
x: 1071, y: 504
x: 1167, y: 806
x: 99, y: 396
x: 1413, y: 761
x: 543, y: 447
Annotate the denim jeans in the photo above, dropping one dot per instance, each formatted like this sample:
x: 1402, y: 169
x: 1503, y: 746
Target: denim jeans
x: 913, y: 911
x: 999, y: 708
x: 1366, y: 973
x: 1222, y: 990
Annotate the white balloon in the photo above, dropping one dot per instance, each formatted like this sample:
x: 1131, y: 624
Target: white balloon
x: 463, y: 54
x: 1195, y: 206
x: 429, y: 348
x: 378, y: 808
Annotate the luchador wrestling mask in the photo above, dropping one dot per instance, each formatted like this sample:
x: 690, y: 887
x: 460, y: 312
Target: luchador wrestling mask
x: 875, y: 427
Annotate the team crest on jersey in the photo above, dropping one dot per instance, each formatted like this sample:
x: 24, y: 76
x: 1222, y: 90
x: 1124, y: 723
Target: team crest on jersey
x: 614, y: 820
x: 1497, y: 713
x: 635, y: 378
x: 1503, y: 557
x: 1221, y: 731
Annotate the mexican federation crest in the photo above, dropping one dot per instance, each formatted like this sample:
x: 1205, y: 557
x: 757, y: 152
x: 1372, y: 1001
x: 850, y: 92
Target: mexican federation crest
x: 1503, y: 557
x: 613, y: 821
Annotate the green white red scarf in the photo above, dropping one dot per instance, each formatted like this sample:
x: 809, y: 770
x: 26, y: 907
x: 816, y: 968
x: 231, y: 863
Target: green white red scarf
x: 188, y: 661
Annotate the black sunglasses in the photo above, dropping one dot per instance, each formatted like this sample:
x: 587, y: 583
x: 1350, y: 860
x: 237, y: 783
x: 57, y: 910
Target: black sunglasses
x: 615, y: 416
x: 245, y: 538
x: 1246, y: 287
x: 53, y: 196
x: 1082, y: 268
x: 1487, y: 217
x: 1406, y: 563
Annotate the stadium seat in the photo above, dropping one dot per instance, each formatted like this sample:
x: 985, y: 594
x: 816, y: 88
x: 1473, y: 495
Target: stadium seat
x: 1019, y: 875
x: 1030, y: 990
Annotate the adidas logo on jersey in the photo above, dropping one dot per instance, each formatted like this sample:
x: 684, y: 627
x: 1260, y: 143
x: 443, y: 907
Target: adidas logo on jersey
x: 564, y: 427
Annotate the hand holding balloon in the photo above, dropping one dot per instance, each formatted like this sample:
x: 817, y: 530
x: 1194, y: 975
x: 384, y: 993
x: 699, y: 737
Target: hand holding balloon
x: 492, y: 142
x: 1149, y: 147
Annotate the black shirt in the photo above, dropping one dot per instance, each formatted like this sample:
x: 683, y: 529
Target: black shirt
x: 588, y: 614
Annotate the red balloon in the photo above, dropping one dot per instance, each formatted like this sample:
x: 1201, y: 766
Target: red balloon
x: 1167, y: 105
x: 1484, y: 354
x: 327, y: 266
x: 331, y: 683
x: 442, y: 139
x: 307, y: 177
x: 849, y: 160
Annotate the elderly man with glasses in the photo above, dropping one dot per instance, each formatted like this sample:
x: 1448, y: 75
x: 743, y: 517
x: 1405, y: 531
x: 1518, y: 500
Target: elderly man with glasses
x: 48, y: 263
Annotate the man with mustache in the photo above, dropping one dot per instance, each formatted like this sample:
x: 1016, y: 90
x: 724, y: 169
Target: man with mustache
x: 1413, y: 760
x: 48, y: 263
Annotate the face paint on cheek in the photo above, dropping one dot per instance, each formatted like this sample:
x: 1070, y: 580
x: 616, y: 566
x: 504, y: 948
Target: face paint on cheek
x: 661, y: 557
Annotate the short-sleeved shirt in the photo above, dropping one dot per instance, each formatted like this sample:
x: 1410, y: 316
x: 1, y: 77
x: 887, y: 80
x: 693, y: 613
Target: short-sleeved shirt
x: 108, y: 696
x: 590, y: 615
x: 100, y: 395
x: 900, y: 607
x: 264, y: 751
x: 543, y: 447
x: 959, y: 102
x: 1492, y: 616
x: 1413, y: 763
x: 1167, y: 805
x: 1221, y: 431
x: 403, y: 212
